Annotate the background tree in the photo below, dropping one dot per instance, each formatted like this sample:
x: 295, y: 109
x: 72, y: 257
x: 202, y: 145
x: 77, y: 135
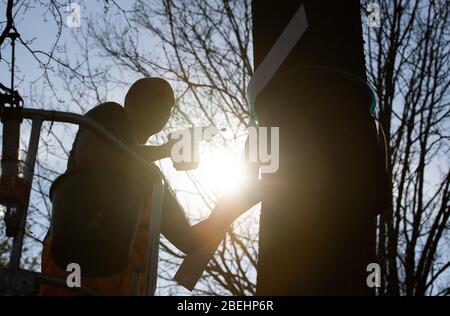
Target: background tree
x: 408, y: 65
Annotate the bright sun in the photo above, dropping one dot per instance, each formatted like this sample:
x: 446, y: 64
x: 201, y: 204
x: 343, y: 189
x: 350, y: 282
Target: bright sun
x: 219, y: 170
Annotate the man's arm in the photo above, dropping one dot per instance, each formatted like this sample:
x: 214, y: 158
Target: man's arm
x: 93, y: 152
x: 153, y: 153
x: 176, y: 228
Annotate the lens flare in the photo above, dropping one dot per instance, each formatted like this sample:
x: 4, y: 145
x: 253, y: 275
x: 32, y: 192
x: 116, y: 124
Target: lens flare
x: 220, y: 171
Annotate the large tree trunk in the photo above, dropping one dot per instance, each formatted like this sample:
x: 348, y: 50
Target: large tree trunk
x: 317, y: 232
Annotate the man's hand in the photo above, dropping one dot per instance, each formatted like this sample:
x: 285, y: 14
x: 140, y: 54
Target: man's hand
x: 179, y: 164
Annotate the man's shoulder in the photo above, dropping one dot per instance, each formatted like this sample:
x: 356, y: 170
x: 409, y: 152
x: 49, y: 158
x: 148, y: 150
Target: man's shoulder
x: 113, y: 117
x: 106, y: 108
x: 110, y: 114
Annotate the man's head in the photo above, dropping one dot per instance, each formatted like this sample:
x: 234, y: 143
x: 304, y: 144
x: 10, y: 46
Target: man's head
x: 148, y: 104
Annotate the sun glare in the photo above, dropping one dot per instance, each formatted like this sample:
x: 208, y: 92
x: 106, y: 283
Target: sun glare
x: 220, y: 171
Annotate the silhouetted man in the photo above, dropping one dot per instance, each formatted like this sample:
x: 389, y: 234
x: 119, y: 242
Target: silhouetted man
x: 148, y: 105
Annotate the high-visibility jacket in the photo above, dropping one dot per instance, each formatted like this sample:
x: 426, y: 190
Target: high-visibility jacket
x: 119, y: 284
